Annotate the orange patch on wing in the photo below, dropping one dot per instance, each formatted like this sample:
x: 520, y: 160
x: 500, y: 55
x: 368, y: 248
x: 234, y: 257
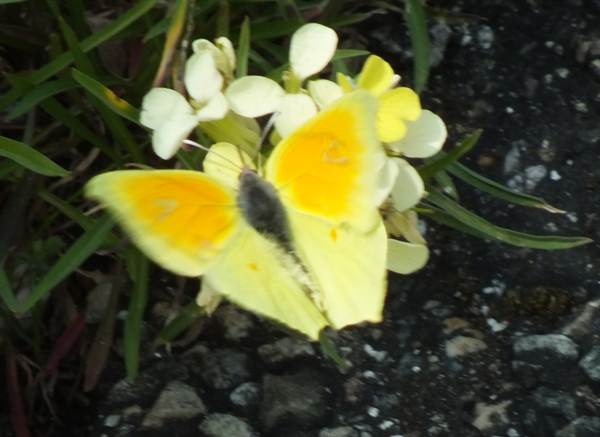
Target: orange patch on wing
x: 319, y: 165
x: 253, y: 266
x: 333, y: 234
x: 190, y: 210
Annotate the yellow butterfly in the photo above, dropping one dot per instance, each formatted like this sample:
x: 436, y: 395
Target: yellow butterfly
x: 304, y: 244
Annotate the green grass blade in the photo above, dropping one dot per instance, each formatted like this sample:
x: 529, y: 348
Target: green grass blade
x: 39, y: 94
x: 60, y: 113
x: 223, y: 18
x: 79, y: 57
x: 74, y: 214
x: 436, y: 164
x: 138, y: 270
x: 67, y: 210
x: 94, y: 40
x: 349, y: 53
x: 184, y: 319
x: 30, y: 158
x: 243, y: 49
x: 329, y: 349
x: 346, y: 20
x: 419, y: 37
x: 176, y: 27
x: 491, y: 231
x: 498, y: 190
x: 274, y: 29
x: 6, y: 292
x: 157, y: 29
x: 446, y: 184
x: 163, y: 25
x: 115, y: 125
x: 85, y: 246
x: 106, y: 96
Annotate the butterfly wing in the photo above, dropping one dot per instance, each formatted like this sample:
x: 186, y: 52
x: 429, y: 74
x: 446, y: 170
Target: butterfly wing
x: 259, y: 276
x: 326, y: 174
x: 181, y: 219
x: 349, y: 268
x: 188, y: 222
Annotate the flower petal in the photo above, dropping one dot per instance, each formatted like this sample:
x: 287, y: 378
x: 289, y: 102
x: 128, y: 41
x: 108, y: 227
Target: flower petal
x: 202, y: 79
x: 159, y: 104
x: 387, y: 178
x: 222, y: 52
x: 253, y: 96
x: 345, y: 82
x: 215, y: 108
x: 226, y: 48
x: 404, y: 224
x: 396, y: 106
x: 204, y: 45
x: 408, y: 188
x: 224, y: 162
x: 294, y: 111
x: 167, y: 138
x: 424, y: 137
x: 311, y: 49
x: 405, y: 258
x: 377, y: 75
x: 324, y: 92
x: 208, y: 299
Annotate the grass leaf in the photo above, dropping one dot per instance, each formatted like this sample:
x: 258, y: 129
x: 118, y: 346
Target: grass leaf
x: 138, y: 270
x: 482, y: 227
x: 94, y: 40
x: 243, y: 49
x: 39, y: 94
x: 176, y: 27
x: 85, y: 246
x: 30, y: 158
x: 180, y: 323
x: 445, y: 159
x: 106, y: 96
x: 489, y: 186
x: 6, y: 292
x: 419, y: 37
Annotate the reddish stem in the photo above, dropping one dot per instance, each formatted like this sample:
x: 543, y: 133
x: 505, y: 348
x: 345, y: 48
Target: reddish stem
x: 17, y: 408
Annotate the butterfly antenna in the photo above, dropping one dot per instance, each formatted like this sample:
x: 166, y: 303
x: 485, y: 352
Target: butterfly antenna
x: 209, y: 150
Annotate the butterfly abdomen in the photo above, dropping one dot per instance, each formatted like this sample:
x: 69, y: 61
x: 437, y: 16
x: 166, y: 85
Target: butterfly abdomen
x: 261, y: 207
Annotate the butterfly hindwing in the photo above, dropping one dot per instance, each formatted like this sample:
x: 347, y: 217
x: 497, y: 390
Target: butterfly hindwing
x: 348, y: 266
x: 261, y: 277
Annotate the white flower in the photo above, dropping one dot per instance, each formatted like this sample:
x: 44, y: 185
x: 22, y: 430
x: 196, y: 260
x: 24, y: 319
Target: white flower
x: 424, y: 137
x: 311, y: 48
x: 222, y: 52
x: 172, y: 117
x: 408, y: 256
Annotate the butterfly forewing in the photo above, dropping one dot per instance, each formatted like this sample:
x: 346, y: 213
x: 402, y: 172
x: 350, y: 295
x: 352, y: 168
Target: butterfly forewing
x: 181, y: 219
x: 328, y: 167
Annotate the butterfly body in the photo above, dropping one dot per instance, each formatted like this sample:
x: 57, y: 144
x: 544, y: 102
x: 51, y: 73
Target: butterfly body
x: 261, y: 207
x: 305, y: 245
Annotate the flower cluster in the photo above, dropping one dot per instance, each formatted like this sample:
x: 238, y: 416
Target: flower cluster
x: 224, y: 108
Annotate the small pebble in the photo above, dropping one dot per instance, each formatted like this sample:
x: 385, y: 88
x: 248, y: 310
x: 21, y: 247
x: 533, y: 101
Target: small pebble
x: 373, y: 411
